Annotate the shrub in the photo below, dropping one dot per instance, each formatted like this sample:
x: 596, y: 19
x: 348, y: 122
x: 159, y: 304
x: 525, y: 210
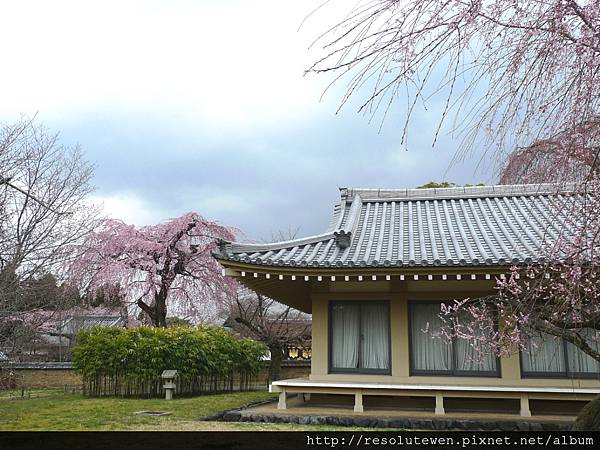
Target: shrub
x: 588, y: 418
x: 129, y: 362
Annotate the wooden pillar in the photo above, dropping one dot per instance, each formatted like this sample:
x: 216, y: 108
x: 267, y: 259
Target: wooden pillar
x: 439, y: 403
x: 525, y: 411
x: 358, y: 401
x: 282, y: 400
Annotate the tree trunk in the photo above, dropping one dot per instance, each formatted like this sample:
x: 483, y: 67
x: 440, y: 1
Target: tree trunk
x: 276, y: 358
x: 156, y: 312
x: 160, y: 306
x: 589, y: 417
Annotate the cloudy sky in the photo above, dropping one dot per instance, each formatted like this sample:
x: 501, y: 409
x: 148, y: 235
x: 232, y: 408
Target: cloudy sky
x: 203, y: 105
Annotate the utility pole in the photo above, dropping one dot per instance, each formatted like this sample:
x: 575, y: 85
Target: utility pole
x: 7, y: 181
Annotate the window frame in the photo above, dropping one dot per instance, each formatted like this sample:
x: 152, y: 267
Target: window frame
x: 566, y: 374
x: 452, y: 372
x: 358, y: 370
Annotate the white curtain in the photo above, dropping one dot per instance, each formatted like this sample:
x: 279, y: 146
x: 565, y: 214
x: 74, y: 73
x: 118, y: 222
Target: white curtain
x: 468, y: 356
x: 579, y: 361
x: 375, y: 336
x: 345, y: 327
x: 430, y: 352
x: 544, y: 354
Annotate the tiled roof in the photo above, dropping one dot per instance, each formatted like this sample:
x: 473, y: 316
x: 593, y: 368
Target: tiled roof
x: 466, y: 226
x: 72, y: 325
x: 40, y: 365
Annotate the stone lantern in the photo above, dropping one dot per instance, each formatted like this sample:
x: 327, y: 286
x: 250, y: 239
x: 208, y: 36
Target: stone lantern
x: 169, y: 377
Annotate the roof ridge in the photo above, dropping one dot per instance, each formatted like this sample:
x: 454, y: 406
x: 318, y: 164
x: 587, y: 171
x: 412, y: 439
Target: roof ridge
x: 343, y: 232
x: 369, y: 194
x: 352, y: 218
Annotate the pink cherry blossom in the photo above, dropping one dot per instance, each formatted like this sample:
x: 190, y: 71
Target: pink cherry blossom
x: 156, y: 267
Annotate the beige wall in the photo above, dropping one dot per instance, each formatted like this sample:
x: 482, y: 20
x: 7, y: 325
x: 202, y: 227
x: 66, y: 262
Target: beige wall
x: 399, y: 293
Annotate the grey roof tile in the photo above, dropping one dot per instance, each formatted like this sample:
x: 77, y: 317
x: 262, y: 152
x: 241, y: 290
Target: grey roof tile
x: 467, y: 226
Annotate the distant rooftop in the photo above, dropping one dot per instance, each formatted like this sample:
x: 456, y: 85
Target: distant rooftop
x: 73, y: 325
x: 459, y: 226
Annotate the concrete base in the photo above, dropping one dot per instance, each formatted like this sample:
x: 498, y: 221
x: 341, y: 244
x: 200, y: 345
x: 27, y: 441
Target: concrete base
x: 525, y: 411
x: 300, y: 412
x: 282, y: 404
x: 439, y: 404
x: 439, y: 392
x: 358, y: 402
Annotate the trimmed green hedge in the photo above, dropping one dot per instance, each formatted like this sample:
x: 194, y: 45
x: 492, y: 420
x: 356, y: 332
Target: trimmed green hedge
x: 129, y: 362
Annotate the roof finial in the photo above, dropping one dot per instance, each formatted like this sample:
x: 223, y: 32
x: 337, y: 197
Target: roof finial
x: 342, y: 238
x: 223, y: 245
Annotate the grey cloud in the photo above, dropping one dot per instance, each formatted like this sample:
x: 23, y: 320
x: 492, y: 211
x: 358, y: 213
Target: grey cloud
x: 270, y: 180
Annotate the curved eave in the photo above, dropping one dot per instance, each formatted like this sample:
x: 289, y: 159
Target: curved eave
x: 293, y: 286
x: 409, y: 267
x: 235, y: 268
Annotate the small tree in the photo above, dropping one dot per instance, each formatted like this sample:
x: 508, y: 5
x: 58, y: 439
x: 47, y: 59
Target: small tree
x: 436, y: 184
x: 277, y: 326
x: 157, y: 266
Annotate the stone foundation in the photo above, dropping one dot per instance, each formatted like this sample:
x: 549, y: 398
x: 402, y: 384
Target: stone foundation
x: 400, y: 423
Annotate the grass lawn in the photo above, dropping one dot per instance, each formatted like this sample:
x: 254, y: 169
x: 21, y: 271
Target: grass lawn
x: 56, y: 410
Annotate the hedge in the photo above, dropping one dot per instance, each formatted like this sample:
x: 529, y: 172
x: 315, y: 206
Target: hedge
x: 129, y: 362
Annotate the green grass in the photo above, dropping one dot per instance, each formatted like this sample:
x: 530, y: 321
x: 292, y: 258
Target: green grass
x: 56, y: 410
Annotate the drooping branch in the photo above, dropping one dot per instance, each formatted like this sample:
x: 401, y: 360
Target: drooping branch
x: 520, y: 71
x: 162, y: 266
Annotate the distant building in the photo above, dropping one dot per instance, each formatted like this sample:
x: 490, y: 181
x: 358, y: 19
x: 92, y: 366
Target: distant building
x: 49, y: 335
x: 70, y: 326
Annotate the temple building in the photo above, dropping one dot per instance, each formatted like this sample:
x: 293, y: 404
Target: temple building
x: 374, y: 281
